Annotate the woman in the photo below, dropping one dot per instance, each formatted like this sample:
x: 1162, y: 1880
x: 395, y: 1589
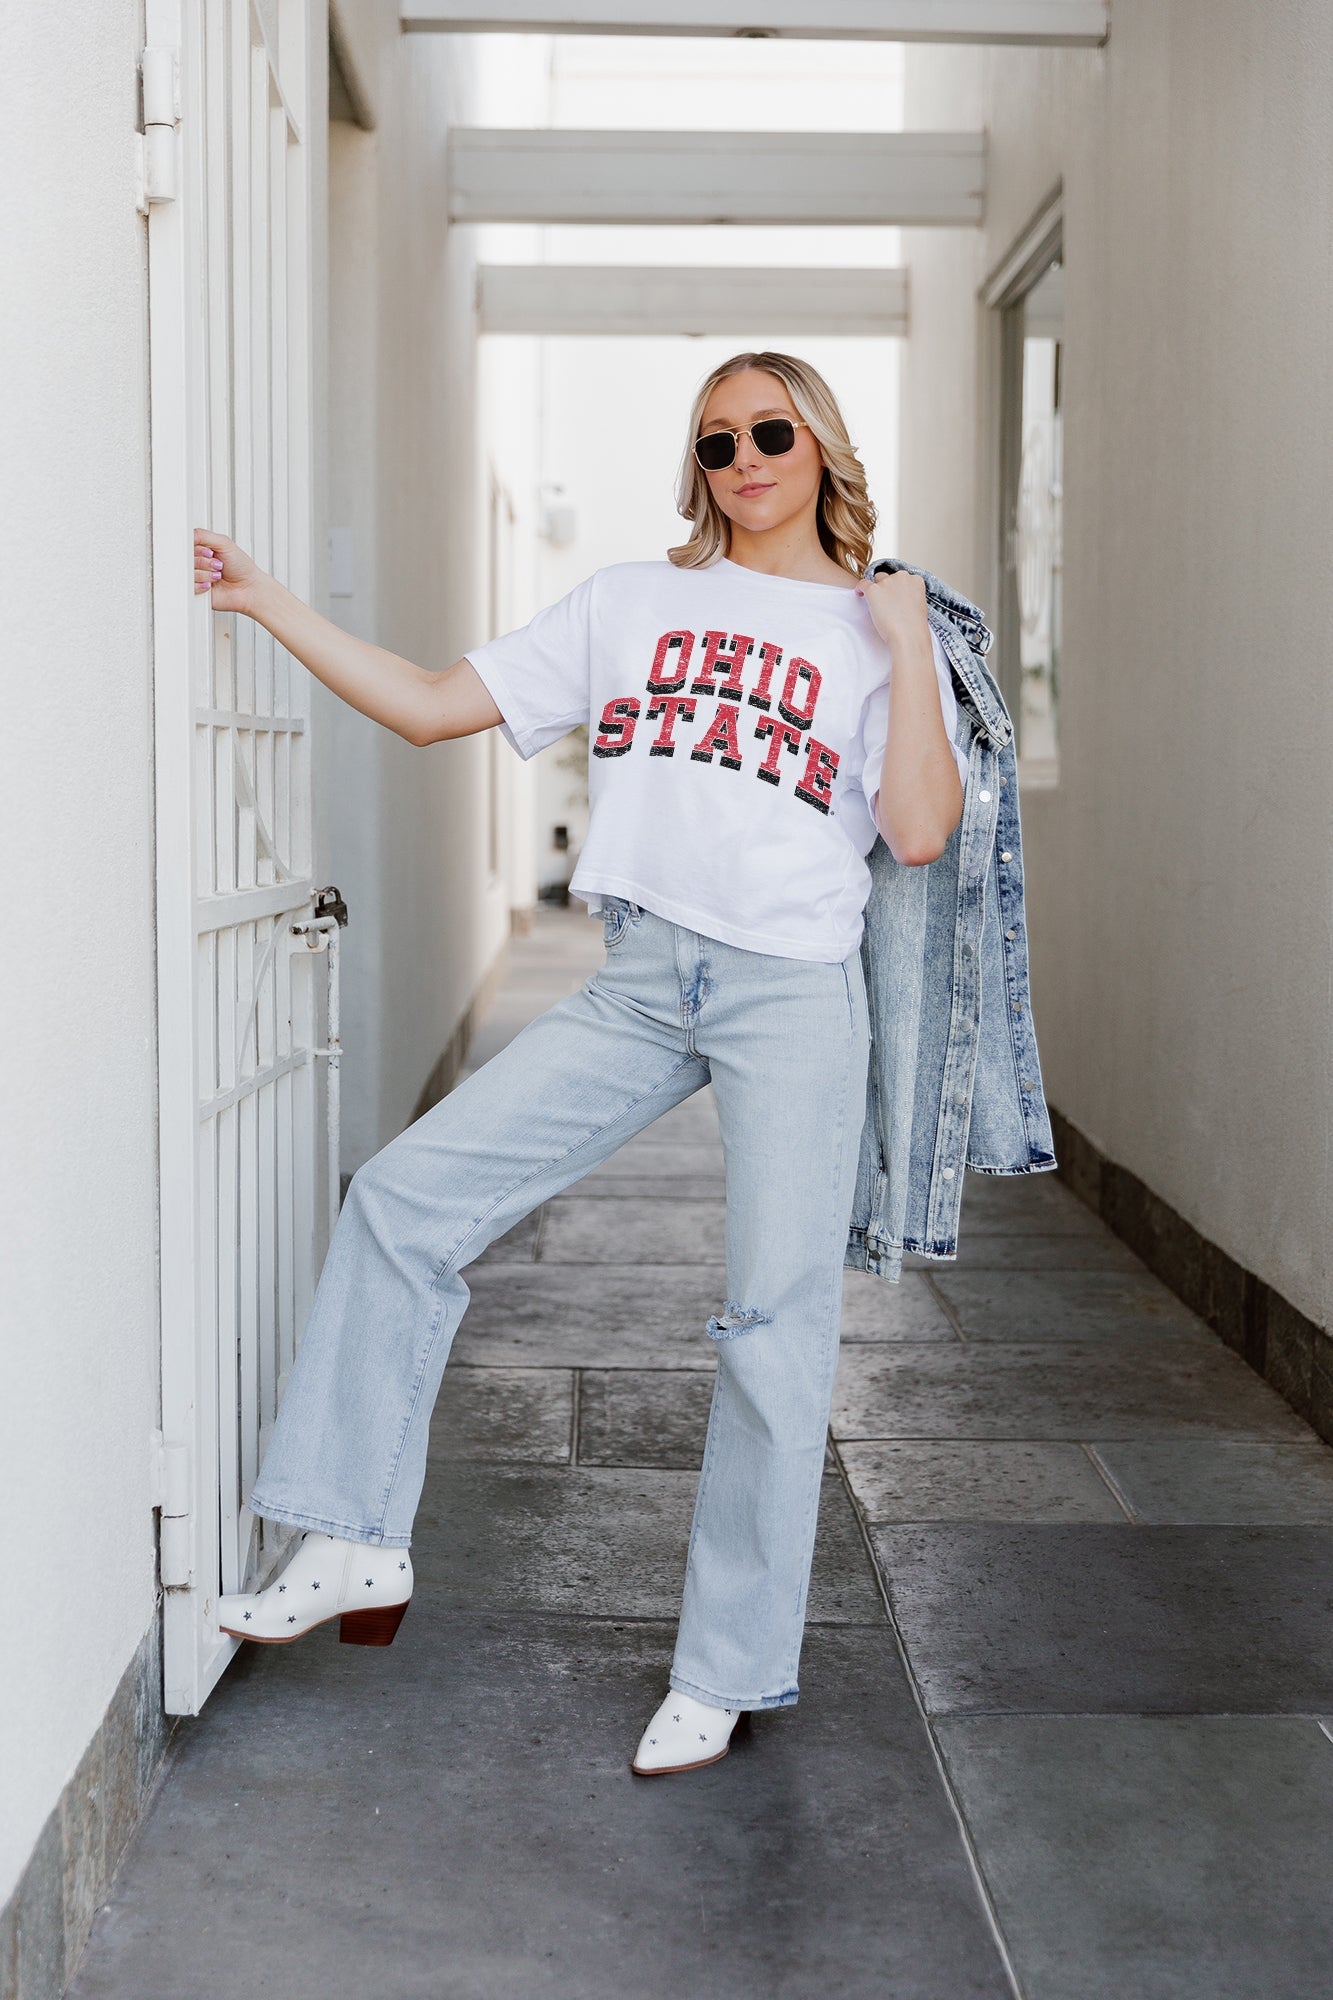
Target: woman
x: 758, y: 714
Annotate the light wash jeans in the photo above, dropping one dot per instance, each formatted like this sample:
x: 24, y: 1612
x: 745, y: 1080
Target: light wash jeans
x: 785, y: 1043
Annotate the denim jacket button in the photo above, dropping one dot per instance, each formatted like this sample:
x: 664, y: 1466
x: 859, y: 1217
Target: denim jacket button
x: 984, y: 797
x: 948, y: 1173
x: 1006, y: 856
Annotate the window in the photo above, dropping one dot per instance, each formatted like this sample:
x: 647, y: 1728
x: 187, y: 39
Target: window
x: 1029, y: 296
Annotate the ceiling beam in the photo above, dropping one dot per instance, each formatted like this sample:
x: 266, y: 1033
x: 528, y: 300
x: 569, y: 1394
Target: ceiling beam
x: 542, y: 175
x: 1036, y: 23
x: 693, y: 299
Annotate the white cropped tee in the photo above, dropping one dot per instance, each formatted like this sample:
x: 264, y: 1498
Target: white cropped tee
x: 737, y: 725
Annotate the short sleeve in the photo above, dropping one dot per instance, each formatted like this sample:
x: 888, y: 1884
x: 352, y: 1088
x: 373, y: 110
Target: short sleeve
x: 875, y: 728
x: 538, y: 676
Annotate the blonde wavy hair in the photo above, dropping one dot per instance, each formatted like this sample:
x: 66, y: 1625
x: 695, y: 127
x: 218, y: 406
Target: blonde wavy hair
x: 846, y: 516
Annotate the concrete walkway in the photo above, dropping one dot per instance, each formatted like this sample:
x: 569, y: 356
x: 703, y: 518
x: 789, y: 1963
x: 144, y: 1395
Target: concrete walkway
x: 1069, y: 1650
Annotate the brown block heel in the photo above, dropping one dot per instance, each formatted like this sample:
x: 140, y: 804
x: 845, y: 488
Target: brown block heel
x: 371, y: 1628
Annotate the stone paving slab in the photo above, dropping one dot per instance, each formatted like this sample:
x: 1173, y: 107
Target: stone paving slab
x: 632, y: 1417
x: 657, y: 1155
x: 1026, y: 1201
x: 456, y: 1818
x: 600, y: 1541
x: 873, y: 1309
x: 911, y: 1481
x: 597, y: 1316
x: 504, y: 1415
x: 1004, y: 1249
x: 1114, y: 1620
x: 1187, y: 1481
x: 612, y: 1230
x: 1182, y: 1387
x: 1172, y: 1858
x: 649, y: 1416
x: 1067, y: 1302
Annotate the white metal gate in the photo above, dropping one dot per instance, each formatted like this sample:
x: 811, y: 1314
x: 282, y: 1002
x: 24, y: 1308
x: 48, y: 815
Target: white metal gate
x: 226, y: 100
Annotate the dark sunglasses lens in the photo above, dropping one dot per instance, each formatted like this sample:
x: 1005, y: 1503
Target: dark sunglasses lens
x: 774, y: 436
x: 715, y: 451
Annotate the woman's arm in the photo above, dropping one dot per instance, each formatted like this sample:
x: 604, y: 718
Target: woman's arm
x: 920, y: 792
x: 423, y: 707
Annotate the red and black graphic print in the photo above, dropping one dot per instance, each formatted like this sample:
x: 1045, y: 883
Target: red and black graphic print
x: 617, y: 731
x: 671, y: 708
x: 732, y: 670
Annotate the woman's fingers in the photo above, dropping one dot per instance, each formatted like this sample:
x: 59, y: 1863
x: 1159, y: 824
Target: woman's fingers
x: 225, y: 569
x: 212, y: 549
x: 210, y: 558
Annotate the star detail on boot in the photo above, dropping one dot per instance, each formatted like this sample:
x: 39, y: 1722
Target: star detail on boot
x: 370, y: 1583
x: 281, y: 1588
x: 702, y: 1737
x: 291, y: 1618
x: 315, y: 1586
x: 402, y: 1565
x: 675, y: 1718
x: 247, y: 1615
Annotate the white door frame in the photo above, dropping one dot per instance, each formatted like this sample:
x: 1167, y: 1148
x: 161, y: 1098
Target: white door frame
x: 229, y: 236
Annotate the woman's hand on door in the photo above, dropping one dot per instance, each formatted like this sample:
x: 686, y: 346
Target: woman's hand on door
x: 226, y: 570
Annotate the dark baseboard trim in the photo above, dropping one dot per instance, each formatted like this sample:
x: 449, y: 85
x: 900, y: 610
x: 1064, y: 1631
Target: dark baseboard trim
x: 1290, y: 1351
x: 45, y: 1924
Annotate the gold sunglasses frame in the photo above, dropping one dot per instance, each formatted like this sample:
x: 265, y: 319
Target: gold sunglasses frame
x: 747, y: 430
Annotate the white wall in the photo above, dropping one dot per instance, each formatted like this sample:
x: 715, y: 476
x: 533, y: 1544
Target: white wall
x: 399, y: 829
x: 77, y: 1055
x: 403, y: 830
x: 1181, y: 875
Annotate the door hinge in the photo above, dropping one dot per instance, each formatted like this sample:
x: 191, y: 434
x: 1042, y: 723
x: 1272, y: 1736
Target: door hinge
x: 155, y: 146
x: 169, y: 1486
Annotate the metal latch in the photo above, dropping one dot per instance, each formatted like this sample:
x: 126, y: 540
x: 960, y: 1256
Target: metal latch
x: 156, y: 144
x: 327, y: 918
x: 329, y: 903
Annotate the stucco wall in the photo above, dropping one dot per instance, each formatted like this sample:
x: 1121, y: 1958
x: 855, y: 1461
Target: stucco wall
x: 1180, y: 874
x: 77, y: 1056
x: 403, y: 830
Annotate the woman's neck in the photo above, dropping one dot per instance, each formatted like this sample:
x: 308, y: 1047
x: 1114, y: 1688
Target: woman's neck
x: 793, y: 550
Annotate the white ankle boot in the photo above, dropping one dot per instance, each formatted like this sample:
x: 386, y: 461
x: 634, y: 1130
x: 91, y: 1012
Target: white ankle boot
x: 683, y: 1735
x: 367, y: 1588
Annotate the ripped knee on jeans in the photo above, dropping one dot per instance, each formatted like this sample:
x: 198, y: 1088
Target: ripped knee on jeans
x: 735, y: 1318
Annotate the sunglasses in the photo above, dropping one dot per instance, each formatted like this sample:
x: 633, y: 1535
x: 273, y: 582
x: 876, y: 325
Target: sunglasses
x: 771, y: 437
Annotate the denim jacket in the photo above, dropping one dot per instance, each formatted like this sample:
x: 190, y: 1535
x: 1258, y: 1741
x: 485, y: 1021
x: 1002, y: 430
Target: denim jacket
x: 954, y: 1079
